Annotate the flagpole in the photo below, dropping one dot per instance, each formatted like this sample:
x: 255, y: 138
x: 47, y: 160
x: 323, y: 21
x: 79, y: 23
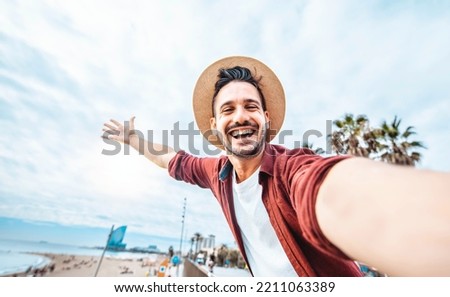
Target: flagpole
x: 181, y: 236
x: 104, y: 250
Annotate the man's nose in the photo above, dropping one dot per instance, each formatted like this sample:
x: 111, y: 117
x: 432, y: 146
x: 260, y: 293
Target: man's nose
x: 241, y: 115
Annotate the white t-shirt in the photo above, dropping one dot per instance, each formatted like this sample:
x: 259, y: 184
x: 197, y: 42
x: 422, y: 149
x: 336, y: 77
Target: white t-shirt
x: 264, y: 252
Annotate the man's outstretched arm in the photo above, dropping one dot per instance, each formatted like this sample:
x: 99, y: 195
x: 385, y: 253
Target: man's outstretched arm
x: 125, y: 133
x: 394, y: 218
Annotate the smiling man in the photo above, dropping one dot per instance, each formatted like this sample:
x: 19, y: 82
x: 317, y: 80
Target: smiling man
x: 240, y: 121
x: 294, y: 213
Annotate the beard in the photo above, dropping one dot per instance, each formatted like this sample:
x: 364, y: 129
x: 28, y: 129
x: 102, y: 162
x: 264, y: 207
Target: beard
x: 248, y: 148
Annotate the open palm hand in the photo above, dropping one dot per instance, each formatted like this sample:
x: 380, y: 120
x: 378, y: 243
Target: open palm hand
x: 117, y: 131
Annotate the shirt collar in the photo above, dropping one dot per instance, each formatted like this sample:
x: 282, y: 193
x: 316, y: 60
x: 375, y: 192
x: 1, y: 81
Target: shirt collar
x: 266, y: 163
x: 227, y: 168
x: 268, y: 159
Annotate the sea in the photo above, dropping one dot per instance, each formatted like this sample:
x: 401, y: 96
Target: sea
x: 17, y: 255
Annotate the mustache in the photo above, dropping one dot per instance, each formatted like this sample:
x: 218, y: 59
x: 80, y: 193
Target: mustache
x: 244, y: 124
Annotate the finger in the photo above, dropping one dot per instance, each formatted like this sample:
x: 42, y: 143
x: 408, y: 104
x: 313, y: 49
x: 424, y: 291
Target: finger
x: 113, y: 137
x: 105, y: 135
x: 132, y: 122
x: 112, y: 132
x: 111, y: 127
x: 117, y: 123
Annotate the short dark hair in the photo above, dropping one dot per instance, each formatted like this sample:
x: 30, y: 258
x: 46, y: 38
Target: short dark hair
x: 227, y: 75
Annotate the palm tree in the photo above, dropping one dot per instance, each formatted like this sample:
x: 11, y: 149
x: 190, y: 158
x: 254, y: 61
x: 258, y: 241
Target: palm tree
x: 222, y: 254
x: 355, y: 137
x: 198, y: 238
x: 351, y: 136
x: 233, y: 256
x: 398, y: 148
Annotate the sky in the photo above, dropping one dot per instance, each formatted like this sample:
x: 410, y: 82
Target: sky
x: 67, y: 67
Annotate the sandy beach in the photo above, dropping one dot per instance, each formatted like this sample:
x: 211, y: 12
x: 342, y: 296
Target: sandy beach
x: 86, y: 266
x: 66, y: 265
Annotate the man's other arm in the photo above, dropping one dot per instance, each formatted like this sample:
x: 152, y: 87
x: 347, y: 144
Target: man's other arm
x: 394, y: 218
x: 159, y: 154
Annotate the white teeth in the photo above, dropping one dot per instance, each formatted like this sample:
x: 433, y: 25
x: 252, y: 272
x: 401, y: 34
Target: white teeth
x: 241, y: 132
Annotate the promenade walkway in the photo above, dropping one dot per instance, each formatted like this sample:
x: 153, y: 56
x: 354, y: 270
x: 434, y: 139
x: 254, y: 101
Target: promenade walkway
x: 231, y: 272
x: 218, y: 271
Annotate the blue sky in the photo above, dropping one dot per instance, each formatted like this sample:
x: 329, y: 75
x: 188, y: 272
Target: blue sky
x: 66, y: 67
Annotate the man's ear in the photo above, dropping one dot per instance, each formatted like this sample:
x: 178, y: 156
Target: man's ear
x: 213, y: 126
x: 266, y: 115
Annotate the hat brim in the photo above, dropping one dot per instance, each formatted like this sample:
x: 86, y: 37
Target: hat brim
x: 269, y: 83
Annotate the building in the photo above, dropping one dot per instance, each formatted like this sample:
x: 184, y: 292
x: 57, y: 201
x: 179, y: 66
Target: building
x: 208, y: 242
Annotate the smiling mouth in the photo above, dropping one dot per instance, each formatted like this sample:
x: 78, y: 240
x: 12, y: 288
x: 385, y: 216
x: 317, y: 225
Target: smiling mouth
x: 240, y: 134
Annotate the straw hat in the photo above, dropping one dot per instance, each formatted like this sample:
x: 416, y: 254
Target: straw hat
x: 269, y: 84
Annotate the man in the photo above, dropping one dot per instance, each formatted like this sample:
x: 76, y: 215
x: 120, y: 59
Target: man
x: 295, y: 213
